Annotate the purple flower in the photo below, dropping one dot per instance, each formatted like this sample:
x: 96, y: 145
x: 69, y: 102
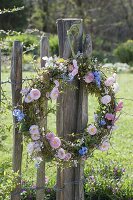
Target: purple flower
x: 83, y: 151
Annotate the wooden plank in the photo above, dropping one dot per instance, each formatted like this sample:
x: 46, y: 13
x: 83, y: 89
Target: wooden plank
x: 0, y: 79
x: 68, y: 115
x: 16, y: 79
x: 40, y: 193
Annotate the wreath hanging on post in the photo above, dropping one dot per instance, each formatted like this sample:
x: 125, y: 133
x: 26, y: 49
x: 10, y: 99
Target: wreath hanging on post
x: 51, y: 80
x: 48, y: 84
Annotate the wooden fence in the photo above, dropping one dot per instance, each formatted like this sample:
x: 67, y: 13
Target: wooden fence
x: 72, y: 114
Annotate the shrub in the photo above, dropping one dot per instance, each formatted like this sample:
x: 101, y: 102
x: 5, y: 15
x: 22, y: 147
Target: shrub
x: 107, y: 181
x: 8, y: 180
x: 53, y: 42
x: 124, y: 52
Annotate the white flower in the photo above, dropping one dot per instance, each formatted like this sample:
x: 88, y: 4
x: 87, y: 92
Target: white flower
x: 106, y: 99
x: 30, y: 148
x: 34, y: 129
x: 54, y: 93
x: 116, y: 88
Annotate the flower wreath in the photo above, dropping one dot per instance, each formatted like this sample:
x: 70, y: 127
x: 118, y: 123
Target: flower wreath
x: 47, y: 85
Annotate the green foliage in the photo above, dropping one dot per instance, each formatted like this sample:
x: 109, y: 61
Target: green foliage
x: 8, y: 180
x: 53, y: 42
x: 106, y: 180
x: 124, y: 52
x: 11, y: 19
x: 30, y: 42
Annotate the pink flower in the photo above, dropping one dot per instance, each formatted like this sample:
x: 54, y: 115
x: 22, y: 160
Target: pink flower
x: 119, y: 106
x: 54, y: 93
x: 35, y: 136
x: 28, y: 98
x: 106, y: 99
x: 74, y: 72
x: 34, y: 129
x: 50, y: 136
x: 35, y: 94
x: 109, y: 81
x: 30, y: 148
x: 89, y: 77
x: 92, y: 130
x: 55, y: 142
x: 110, y: 116
x: 104, y: 146
x: 67, y: 156
x: 24, y: 91
x: 61, y: 153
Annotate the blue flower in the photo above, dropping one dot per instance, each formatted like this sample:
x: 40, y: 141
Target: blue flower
x: 18, y: 114
x: 83, y: 151
x: 20, y: 117
x: 102, y: 122
x: 97, y: 76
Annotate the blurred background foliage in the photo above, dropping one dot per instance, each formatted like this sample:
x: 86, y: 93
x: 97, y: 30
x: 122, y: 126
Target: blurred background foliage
x: 109, y: 22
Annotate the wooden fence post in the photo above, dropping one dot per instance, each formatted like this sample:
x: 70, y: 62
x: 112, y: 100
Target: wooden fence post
x: 0, y: 78
x: 72, y: 116
x: 40, y: 193
x: 16, y: 84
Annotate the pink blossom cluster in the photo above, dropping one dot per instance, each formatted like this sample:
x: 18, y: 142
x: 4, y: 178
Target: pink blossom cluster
x: 55, y: 143
x: 55, y: 92
x: 34, y: 94
x: 73, y: 69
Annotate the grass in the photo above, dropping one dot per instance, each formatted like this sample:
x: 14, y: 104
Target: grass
x: 121, y: 141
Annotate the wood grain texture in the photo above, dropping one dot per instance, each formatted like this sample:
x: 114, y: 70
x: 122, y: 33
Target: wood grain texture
x: 0, y: 78
x: 40, y: 194
x: 87, y: 46
x: 16, y: 79
x: 71, y: 115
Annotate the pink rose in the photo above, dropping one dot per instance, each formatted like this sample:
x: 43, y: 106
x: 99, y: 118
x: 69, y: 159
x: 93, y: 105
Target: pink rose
x: 119, y: 106
x: 106, y: 99
x: 74, y: 72
x: 50, y: 136
x: 89, y: 77
x: 54, y: 93
x: 110, y: 116
x: 67, y: 156
x: 92, y: 130
x: 61, y: 153
x: 109, y: 81
x: 104, y: 146
x: 35, y: 94
x: 55, y: 142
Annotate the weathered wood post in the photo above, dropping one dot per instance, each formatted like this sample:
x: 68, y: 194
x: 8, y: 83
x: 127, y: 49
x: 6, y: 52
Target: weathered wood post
x: 16, y: 84
x: 72, y: 115
x: 0, y: 78
x: 40, y: 193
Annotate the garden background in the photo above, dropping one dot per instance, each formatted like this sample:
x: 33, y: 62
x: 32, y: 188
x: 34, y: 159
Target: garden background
x: 108, y: 175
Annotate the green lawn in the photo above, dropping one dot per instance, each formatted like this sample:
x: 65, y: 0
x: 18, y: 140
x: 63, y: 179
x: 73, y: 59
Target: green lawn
x: 121, y: 141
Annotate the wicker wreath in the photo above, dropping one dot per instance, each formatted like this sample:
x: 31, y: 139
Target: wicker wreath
x: 47, y: 86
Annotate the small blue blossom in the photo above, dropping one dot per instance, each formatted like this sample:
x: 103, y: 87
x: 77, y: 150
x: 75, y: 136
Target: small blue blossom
x: 18, y: 114
x: 102, y: 122
x: 83, y: 151
x: 97, y: 76
x: 20, y: 117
